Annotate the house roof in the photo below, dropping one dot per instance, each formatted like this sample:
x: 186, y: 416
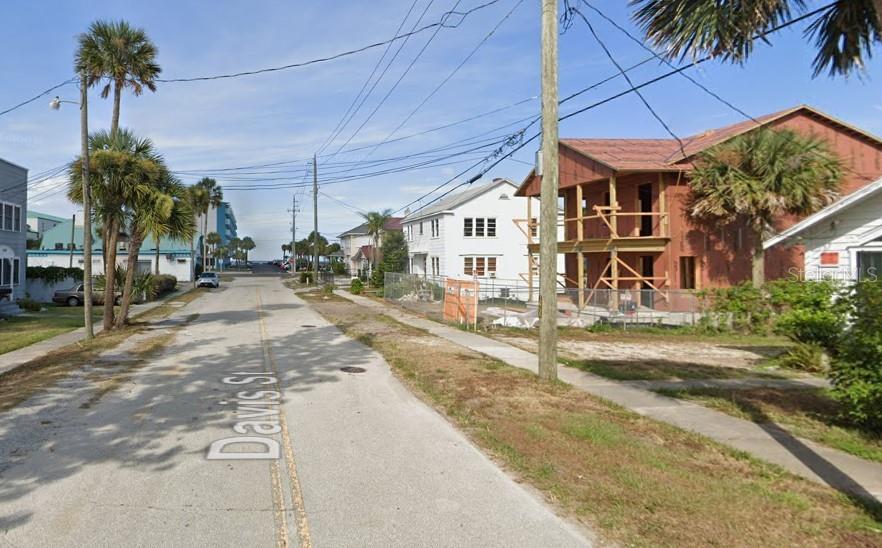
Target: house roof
x: 38, y: 215
x: 365, y: 251
x: 667, y: 154
x: 393, y: 223
x: 833, y: 209
x: 455, y: 200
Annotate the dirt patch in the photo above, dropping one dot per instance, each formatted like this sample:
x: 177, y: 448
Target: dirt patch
x: 635, y: 481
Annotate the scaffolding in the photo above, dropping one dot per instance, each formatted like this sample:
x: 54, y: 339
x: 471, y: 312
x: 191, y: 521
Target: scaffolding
x: 617, y: 271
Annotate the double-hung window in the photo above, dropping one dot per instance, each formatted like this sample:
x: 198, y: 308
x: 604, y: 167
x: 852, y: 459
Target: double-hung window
x: 479, y: 266
x: 479, y: 227
x: 10, y: 217
x: 435, y: 226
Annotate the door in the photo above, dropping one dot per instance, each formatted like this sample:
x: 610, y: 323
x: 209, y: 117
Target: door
x: 869, y: 265
x: 644, y: 202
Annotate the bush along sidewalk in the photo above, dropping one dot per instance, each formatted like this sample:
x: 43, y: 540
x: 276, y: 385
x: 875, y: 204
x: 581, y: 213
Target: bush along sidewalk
x: 857, y: 365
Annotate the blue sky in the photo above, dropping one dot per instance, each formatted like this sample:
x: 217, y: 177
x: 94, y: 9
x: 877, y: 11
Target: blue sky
x: 286, y: 116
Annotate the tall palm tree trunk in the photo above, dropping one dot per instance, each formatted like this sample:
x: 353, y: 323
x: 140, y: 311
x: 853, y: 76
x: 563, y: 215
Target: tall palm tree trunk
x: 110, y: 274
x: 204, y: 243
x: 156, y: 270
x: 128, y: 287
x: 117, y: 93
x: 758, y: 266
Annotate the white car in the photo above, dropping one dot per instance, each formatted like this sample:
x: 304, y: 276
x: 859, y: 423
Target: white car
x: 208, y: 279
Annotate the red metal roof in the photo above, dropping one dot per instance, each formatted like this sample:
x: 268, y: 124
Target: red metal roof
x: 394, y: 223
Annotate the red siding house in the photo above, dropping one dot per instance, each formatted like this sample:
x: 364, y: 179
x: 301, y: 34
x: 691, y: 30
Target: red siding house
x: 626, y: 224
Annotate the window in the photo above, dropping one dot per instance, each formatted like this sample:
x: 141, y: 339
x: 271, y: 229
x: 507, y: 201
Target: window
x: 59, y: 246
x: 534, y: 227
x: 687, y: 273
x: 6, y: 277
x: 421, y: 228
x: 436, y: 266
x: 7, y: 216
x: 16, y: 266
x: 479, y: 227
x: 16, y: 219
x: 436, y: 227
x: 479, y: 266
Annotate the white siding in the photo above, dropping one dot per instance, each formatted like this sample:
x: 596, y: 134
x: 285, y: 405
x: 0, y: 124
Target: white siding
x: 846, y: 233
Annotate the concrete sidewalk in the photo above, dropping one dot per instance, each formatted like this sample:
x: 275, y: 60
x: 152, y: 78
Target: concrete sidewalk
x: 11, y: 360
x: 765, y: 440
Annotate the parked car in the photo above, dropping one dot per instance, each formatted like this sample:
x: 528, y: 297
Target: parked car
x: 208, y: 279
x: 75, y: 296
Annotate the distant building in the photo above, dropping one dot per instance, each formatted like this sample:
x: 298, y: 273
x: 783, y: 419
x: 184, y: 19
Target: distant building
x: 39, y: 223
x: 13, y: 231
x: 221, y: 220
x: 357, y: 245
x: 174, y: 257
x: 475, y: 233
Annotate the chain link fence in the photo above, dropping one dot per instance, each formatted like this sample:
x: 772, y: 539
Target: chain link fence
x: 514, y: 303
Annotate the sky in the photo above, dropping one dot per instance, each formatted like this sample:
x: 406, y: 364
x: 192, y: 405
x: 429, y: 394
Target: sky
x: 284, y: 117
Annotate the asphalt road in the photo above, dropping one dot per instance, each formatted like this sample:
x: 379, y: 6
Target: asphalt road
x: 361, y: 461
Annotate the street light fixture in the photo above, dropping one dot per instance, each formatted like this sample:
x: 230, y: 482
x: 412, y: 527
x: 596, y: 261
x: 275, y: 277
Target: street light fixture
x: 55, y: 104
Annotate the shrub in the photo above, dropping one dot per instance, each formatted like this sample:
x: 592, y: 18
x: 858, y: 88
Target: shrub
x: 857, y: 369
x: 338, y: 268
x: 53, y: 274
x: 744, y: 304
x: 818, y: 327
x: 378, y: 277
x: 328, y: 289
x: 163, y: 284
x: 356, y: 286
x: 805, y: 356
x: 306, y: 277
x: 29, y: 304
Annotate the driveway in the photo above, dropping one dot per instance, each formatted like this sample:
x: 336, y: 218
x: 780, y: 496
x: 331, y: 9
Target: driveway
x: 361, y: 461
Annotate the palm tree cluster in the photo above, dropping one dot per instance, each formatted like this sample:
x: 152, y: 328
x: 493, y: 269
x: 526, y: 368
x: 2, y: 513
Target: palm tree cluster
x: 236, y: 249
x: 376, y: 223
x: 134, y: 193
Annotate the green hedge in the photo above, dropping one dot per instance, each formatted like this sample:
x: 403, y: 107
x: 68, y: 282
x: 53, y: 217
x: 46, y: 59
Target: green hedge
x: 163, y: 284
x: 53, y: 274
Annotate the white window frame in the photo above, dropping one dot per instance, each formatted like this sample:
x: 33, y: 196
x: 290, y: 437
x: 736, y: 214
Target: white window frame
x: 480, y: 265
x: 15, y: 210
x: 478, y: 227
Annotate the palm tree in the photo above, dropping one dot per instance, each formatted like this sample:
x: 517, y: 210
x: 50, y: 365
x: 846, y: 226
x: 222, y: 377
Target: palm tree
x: 376, y: 222
x: 197, y: 197
x: 759, y: 176
x: 247, y: 245
x: 165, y: 211
x: 211, y: 240
x: 122, y: 56
x: 285, y: 248
x: 234, y: 245
x: 122, y: 169
x: 214, y: 197
x: 844, y: 34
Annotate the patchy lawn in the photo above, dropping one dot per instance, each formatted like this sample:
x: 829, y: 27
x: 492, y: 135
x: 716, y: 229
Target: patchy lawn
x: 634, y: 481
x: 41, y: 373
x: 665, y: 370
x: 32, y: 327
x: 808, y: 413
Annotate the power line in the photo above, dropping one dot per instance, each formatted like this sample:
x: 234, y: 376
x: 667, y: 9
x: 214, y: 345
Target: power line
x: 443, y: 22
x: 41, y: 94
x: 448, y: 77
x: 567, y: 14
x: 343, y: 120
x: 393, y: 88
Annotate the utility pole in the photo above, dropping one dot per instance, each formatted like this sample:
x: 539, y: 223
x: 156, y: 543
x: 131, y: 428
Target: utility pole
x: 73, y: 244
x: 293, y: 211
x: 315, y: 218
x: 87, y: 208
x: 548, y: 197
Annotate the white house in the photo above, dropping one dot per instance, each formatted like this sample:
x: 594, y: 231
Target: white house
x: 842, y: 241
x: 472, y: 234
x: 357, y: 245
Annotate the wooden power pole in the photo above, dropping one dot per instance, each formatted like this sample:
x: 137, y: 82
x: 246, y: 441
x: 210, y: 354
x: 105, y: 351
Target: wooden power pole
x: 315, y: 249
x: 548, y: 197
x: 87, y: 208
